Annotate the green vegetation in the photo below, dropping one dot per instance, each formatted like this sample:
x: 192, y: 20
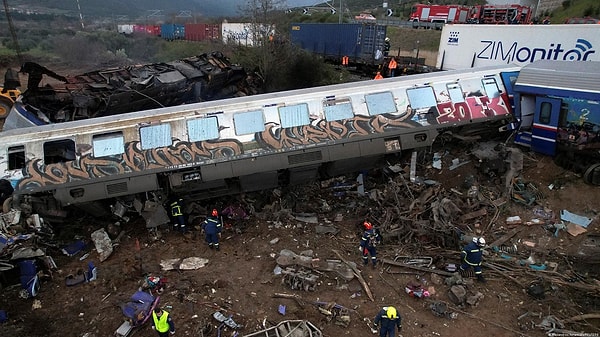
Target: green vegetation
x: 57, y: 39
x: 575, y: 9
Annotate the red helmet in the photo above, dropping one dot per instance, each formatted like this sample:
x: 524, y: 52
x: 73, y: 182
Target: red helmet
x: 214, y: 212
x: 367, y: 225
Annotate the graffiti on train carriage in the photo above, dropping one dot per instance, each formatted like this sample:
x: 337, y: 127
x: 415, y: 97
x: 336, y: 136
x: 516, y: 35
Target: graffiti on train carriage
x: 243, y: 144
x: 183, y: 154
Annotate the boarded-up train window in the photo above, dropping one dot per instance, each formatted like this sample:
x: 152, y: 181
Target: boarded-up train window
x: 421, y: 98
x: 249, y: 122
x: 16, y: 157
x: 294, y: 115
x: 380, y: 103
x: 108, y: 144
x: 491, y: 87
x: 59, y: 151
x: 455, y: 92
x: 203, y: 129
x: 337, y: 109
x: 155, y: 136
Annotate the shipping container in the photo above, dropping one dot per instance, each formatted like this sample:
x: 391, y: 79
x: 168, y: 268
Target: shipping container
x: 125, y: 29
x: 245, y: 34
x: 360, y: 42
x: 171, y: 31
x: 202, y: 31
x: 147, y: 29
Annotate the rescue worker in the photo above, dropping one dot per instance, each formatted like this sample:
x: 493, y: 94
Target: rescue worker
x: 369, y: 240
x: 386, y: 47
x: 177, y: 216
x: 388, y: 318
x: 378, y: 76
x: 36, y: 73
x: 392, y: 65
x: 212, y: 227
x: 162, y: 322
x: 471, y: 256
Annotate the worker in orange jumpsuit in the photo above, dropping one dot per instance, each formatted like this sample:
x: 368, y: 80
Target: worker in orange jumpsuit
x: 392, y: 65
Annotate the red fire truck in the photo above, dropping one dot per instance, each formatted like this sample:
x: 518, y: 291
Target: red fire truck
x: 435, y: 16
x: 500, y: 14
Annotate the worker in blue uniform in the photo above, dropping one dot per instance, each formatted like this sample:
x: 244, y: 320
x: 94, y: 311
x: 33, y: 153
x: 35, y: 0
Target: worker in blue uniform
x: 212, y: 227
x: 471, y: 257
x: 368, y: 242
x: 388, y: 320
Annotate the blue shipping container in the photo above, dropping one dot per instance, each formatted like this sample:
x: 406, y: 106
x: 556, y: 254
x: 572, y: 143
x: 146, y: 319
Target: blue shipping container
x: 361, y: 42
x: 169, y: 31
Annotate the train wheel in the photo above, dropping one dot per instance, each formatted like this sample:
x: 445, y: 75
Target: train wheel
x: 5, y: 105
x: 592, y: 174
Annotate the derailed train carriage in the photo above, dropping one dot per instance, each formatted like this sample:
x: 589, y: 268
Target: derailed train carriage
x: 216, y: 148
x: 118, y: 90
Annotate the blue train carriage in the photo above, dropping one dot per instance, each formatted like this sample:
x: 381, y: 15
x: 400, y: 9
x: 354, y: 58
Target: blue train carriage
x: 558, y: 103
x: 215, y: 148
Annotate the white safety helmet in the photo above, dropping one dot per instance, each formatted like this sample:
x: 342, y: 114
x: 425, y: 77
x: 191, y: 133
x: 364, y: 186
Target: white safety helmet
x: 387, y: 39
x: 479, y: 241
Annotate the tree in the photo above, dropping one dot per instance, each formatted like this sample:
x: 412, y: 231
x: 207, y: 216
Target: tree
x: 263, y: 16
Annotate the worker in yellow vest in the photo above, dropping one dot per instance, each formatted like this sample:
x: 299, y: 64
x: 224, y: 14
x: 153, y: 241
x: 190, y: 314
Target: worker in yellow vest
x: 162, y: 322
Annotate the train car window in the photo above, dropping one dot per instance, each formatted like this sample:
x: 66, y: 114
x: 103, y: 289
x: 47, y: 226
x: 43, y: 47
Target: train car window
x: 545, y: 112
x: 154, y: 136
x: 294, y: 115
x: 59, y: 151
x: 203, y: 129
x: 249, y: 122
x: 491, y: 87
x: 421, y: 98
x: 16, y: 157
x: 108, y: 144
x: 380, y: 103
x: 455, y: 92
x: 337, y: 109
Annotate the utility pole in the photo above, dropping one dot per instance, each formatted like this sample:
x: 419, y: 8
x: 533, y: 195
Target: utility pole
x: 80, y: 15
x: 13, y: 32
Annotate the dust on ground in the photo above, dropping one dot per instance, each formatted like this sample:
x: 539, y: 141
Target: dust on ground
x: 239, y: 280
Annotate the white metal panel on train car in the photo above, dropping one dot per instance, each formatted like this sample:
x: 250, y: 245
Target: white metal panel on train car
x: 467, y: 46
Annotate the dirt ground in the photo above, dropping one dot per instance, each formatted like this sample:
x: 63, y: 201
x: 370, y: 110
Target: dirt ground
x: 239, y: 280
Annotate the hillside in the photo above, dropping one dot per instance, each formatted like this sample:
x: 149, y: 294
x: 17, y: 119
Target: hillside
x: 575, y: 8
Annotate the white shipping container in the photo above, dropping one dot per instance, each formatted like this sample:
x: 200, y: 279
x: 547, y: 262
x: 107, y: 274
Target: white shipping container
x: 125, y: 29
x: 467, y: 46
x: 244, y: 34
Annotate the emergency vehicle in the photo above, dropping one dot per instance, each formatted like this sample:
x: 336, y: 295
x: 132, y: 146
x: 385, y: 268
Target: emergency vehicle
x: 435, y: 16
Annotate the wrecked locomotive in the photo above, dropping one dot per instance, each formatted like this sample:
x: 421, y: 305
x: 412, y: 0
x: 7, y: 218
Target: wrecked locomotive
x: 118, y: 90
x: 215, y: 148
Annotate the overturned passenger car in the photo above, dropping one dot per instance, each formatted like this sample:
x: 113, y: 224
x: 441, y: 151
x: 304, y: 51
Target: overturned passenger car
x: 113, y: 91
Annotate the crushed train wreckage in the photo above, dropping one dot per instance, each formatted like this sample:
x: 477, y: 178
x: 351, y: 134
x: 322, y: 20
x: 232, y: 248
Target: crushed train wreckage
x: 205, y: 77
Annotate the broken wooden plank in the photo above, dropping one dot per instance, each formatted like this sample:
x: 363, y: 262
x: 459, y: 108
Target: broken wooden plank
x: 476, y: 214
x: 400, y: 264
x: 357, y: 274
x: 506, y: 236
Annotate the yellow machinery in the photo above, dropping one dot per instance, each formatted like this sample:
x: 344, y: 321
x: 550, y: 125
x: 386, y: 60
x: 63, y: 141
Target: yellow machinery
x: 9, y: 92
